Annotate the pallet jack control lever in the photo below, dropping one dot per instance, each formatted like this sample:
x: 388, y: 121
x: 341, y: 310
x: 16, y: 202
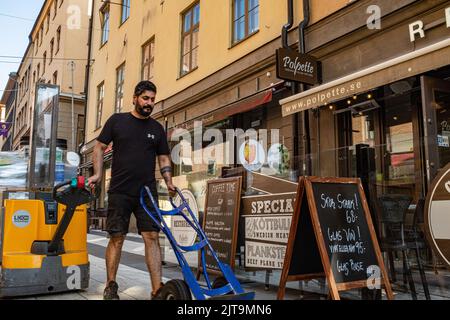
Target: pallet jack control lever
x: 78, y: 193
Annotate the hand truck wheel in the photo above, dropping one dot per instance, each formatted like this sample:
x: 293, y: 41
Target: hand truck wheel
x: 175, y: 290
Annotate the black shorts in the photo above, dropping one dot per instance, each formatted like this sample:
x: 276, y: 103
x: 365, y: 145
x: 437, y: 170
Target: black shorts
x: 121, y: 206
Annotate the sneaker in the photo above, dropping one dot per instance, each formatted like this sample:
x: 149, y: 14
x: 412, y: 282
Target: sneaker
x: 157, y: 294
x: 110, y: 292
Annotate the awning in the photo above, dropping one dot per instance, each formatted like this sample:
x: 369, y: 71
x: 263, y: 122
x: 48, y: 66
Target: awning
x: 240, y: 106
x: 408, y: 65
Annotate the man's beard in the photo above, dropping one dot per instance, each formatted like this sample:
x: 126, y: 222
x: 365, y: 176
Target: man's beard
x: 143, y: 111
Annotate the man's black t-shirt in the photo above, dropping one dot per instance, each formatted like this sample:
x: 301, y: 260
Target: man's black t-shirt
x: 136, y: 143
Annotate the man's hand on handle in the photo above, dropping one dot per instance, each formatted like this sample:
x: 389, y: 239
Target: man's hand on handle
x: 93, y: 180
x: 172, y: 189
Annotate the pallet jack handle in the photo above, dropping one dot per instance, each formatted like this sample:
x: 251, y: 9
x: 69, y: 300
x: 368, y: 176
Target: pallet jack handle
x: 77, y: 194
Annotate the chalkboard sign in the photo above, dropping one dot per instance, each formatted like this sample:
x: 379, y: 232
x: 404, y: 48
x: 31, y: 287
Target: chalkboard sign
x: 335, y: 210
x: 220, y: 221
x: 345, y: 230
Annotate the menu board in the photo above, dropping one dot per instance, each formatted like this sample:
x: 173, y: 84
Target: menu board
x: 345, y: 230
x: 336, y: 212
x: 220, y: 221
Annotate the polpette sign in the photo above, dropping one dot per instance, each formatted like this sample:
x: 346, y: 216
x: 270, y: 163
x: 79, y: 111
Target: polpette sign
x: 294, y: 66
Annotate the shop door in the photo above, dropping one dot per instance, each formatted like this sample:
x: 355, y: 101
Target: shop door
x: 436, y: 111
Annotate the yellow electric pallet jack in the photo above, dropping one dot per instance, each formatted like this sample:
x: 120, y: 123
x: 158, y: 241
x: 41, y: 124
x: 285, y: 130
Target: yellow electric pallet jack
x: 44, y: 246
x: 43, y: 224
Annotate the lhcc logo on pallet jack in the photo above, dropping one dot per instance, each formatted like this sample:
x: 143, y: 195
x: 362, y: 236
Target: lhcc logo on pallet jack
x: 21, y: 218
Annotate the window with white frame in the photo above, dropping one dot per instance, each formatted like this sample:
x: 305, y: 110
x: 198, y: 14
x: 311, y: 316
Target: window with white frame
x: 125, y: 11
x: 189, y: 42
x: 104, y: 14
x: 100, y: 96
x: 148, y: 59
x: 120, y: 78
x: 245, y: 18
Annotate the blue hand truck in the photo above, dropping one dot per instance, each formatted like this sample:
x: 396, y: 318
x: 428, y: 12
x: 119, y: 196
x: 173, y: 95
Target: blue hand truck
x: 177, y: 289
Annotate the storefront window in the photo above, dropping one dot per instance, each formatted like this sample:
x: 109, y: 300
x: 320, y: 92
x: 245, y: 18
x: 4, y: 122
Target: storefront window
x: 249, y: 144
x: 376, y: 138
x: 442, y: 107
x: 399, y: 147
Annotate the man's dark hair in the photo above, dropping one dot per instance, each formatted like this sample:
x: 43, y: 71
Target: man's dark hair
x: 143, y: 86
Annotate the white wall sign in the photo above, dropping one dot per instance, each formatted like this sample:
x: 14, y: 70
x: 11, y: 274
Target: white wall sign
x: 252, y: 155
x: 437, y: 214
x: 73, y: 158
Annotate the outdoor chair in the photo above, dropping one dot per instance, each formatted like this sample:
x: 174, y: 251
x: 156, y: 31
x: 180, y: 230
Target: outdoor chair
x: 393, y: 209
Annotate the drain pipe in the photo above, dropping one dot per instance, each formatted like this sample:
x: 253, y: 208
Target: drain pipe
x: 294, y: 86
x: 286, y: 27
x: 301, y: 27
x: 305, y: 114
